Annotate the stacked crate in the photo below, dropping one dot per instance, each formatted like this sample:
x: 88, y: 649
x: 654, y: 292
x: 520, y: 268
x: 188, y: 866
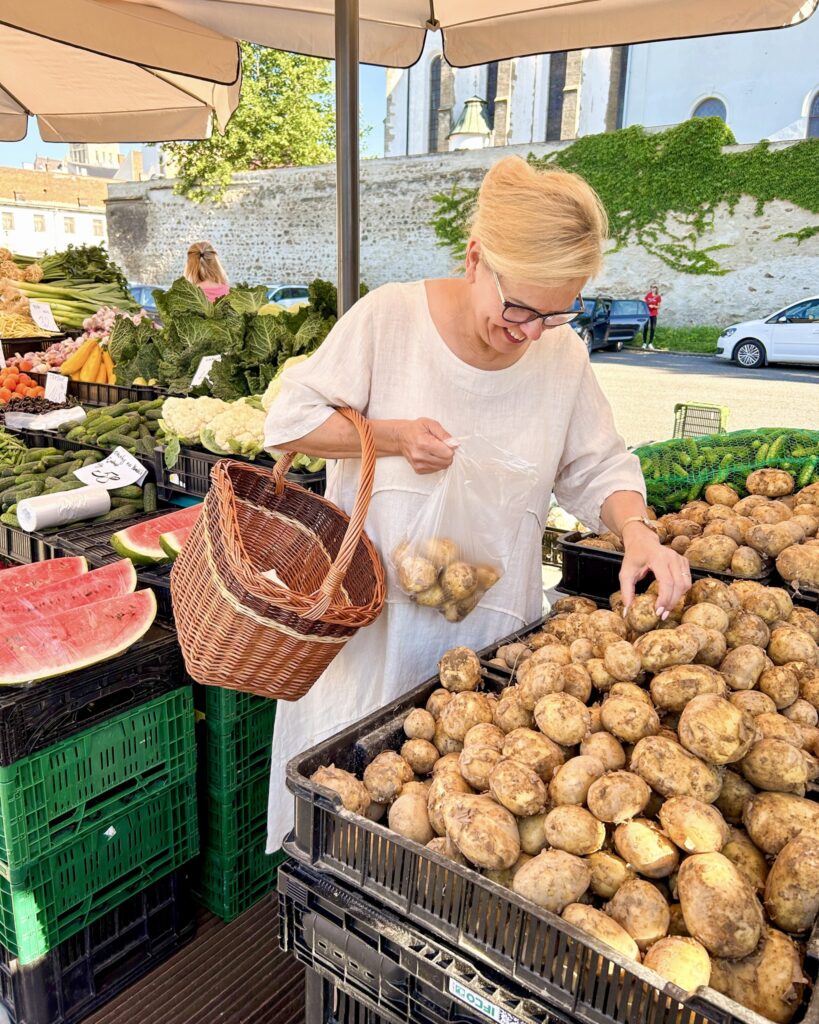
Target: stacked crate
x: 95, y: 832
x: 234, y: 735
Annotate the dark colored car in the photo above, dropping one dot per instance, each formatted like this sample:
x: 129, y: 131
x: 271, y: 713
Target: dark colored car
x: 609, y: 323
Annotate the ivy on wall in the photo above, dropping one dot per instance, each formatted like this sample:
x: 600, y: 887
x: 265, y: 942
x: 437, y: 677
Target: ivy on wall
x: 662, y: 189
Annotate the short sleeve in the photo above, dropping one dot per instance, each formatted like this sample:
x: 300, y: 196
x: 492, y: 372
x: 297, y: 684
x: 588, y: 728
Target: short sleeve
x: 595, y: 462
x: 337, y: 374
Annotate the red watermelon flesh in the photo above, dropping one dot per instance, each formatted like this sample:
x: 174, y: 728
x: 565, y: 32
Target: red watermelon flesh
x: 140, y: 542
x: 21, y: 578
x: 75, y: 638
x: 98, y: 585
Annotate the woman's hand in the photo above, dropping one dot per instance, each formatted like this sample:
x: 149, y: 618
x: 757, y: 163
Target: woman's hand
x: 644, y: 554
x: 426, y: 446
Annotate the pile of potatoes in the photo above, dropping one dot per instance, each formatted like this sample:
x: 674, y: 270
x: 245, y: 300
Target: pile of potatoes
x: 644, y: 779
x: 436, y: 574
x: 745, y: 536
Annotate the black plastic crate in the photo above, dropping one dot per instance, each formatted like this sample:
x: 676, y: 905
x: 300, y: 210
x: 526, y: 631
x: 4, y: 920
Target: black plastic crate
x: 107, y: 394
x: 11, y: 346
x: 36, y: 716
x: 593, y: 573
x: 191, y: 474
x: 573, y: 972
x: 391, y: 967
x: 552, y: 555
x: 24, y: 548
x: 325, y: 1003
x: 801, y: 596
x: 87, y: 970
x: 50, y: 439
x: 94, y: 542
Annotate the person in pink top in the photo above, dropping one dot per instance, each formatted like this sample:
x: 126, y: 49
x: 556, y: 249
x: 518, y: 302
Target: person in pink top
x: 653, y: 300
x: 203, y: 268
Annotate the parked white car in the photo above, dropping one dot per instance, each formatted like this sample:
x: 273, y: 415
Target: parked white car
x: 288, y: 295
x: 789, y: 336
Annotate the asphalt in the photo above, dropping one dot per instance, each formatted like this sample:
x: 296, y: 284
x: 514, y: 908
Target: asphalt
x: 644, y: 387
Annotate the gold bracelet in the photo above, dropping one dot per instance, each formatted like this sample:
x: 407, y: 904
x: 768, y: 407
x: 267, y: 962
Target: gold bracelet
x: 637, y: 519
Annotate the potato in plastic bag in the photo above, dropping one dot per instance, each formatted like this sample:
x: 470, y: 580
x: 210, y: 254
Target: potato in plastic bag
x: 459, y: 544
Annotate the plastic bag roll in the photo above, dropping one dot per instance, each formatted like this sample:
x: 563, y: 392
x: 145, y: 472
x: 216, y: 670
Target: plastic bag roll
x: 64, y: 507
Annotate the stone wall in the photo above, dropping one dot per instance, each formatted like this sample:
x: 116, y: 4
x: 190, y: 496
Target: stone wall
x: 280, y: 226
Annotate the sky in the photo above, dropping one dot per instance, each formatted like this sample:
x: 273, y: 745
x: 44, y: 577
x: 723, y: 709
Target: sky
x: 373, y: 100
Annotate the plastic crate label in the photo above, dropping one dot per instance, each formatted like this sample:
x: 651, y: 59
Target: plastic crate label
x: 483, y: 1006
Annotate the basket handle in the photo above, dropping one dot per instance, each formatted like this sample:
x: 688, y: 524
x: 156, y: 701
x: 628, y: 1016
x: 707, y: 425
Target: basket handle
x: 355, y: 528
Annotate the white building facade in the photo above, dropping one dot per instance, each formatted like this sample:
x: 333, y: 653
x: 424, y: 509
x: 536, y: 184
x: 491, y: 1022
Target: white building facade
x: 31, y: 228
x: 765, y: 85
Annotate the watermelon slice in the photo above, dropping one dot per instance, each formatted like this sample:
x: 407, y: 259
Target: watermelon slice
x: 140, y: 542
x: 75, y: 638
x: 171, y: 543
x: 98, y: 585
x: 21, y: 578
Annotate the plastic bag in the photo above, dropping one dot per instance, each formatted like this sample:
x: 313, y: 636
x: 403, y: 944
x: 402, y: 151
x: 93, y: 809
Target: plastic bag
x: 459, y: 544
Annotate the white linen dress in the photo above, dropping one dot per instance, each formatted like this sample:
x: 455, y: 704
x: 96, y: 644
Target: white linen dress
x: 386, y: 359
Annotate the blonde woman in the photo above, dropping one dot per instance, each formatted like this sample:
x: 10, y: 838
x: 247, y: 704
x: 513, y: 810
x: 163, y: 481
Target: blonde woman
x: 203, y: 268
x: 490, y: 353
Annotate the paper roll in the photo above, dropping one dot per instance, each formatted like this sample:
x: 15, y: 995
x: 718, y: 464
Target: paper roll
x: 63, y: 507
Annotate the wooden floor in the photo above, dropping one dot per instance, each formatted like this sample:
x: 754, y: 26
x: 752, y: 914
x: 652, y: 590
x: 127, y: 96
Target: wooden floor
x: 229, y: 974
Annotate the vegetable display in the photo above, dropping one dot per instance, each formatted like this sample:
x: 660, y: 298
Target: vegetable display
x: 15, y: 385
x: 133, y: 426
x: 51, y: 358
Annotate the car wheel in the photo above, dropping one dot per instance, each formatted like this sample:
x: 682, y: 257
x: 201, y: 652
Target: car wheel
x: 749, y: 354
x: 588, y: 338
x: 616, y: 346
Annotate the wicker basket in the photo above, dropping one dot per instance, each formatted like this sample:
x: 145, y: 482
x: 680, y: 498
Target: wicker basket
x: 273, y: 635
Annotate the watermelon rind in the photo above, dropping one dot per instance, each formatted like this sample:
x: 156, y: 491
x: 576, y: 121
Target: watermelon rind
x: 102, y: 584
x: 138, y: 555
x: 79, y: 626
x: 20, y: 578
x: 140, y: 542
x: 173, y: 541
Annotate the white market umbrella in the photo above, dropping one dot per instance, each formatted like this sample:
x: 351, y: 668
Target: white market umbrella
x: 67, y: 63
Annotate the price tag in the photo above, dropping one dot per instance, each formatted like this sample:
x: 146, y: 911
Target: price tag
x: 56, y: 387
x: 2, y: 358
x: 120, y: 469
x: 203, y: 370
x: 40, y: 313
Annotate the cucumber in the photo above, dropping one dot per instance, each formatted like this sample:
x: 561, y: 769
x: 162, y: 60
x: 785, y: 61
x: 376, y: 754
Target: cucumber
x: 149, y: 497
x: 123, y: 512
x: 115, y: 438
x: 131, y: 492
x: 66, y: 468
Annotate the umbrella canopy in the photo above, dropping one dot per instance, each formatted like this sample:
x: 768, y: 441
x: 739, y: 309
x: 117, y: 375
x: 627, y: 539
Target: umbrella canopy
x: 478, y: 31
x: 83, y: 88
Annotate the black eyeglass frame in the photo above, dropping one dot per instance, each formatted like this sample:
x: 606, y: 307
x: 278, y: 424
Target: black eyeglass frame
x: 535, y: 315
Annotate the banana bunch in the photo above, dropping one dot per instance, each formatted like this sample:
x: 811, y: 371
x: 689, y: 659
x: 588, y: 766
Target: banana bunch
x: 91, y: 363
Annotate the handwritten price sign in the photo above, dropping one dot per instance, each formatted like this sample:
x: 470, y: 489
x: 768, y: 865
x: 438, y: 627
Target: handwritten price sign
x: 119, y: 469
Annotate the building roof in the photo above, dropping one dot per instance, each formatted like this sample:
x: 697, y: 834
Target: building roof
x: 473, y: 119
x: 17, y: 184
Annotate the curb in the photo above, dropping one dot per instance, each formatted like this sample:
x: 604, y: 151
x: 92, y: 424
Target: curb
x: 669, y: 352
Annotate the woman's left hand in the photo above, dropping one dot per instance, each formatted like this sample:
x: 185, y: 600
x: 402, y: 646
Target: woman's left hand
x: 644, y: 554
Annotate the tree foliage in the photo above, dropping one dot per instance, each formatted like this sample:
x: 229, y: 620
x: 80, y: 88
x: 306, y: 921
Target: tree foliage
x: 285, y: 117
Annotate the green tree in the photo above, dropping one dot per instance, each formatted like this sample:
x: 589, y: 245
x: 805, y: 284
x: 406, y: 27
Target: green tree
x: 285, y: 117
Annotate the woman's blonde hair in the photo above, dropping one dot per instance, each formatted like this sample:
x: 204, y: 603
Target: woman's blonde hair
x: 203, y: 264
x: 541, y: 227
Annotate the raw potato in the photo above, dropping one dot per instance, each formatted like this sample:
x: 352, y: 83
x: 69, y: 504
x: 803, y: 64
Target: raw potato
x: 622, y: 661
x: 791, y: 644
x: 518, y: 787
x: 747, y: 562
x: 742, y: 667
x: 695, y: 827
x: 677, y: 926
x: 553, y: 880
x: 806, y: 620
x: 663, y: 648
x: 532, y: 834
x: 753, y: 702
x: 707, y: 615
x: 671, y: 771
x: 602, y: 927
x: 746, y: 858
x: 444, y: 742
x: 641, y: 844
x: 459, y: 581
x: 606, y: 749
x: 574, y: 830
x: 449, y: 763
x: 777, y: 766
x: 680, y: 960
x: 721, y: 494
x: 618, y: 796
x: 419, y: 725
x: 672, y: 689
x: 772, y: 483
x: 462, y: 712
x: 484, y: 735
x: 420, y: 755
x: 446, y: 848
x: 747, y: 628
x: 459, y: 670
x: 792, y: 889
x: 640, y: 908
x: 601, y: 678
x: 416, y: 574
x: 777, y: 727
x: 437, y: 701
x: 504, y: 876
x: 629, y: 719
x: 510, y: 712
x: 773, y: 819
x: 444, y: 786
x: 719, y: 906
x: 713, y: 729
x: 409, y: 817
x: 537, y: 682
x: 582, y: 605
x: 572, y: 780
x: 609, y: 872
x: 385, y: 775
x: 713, y: 592
x: 477, y: 765
x: 581, y: 651
x: 354, y: 794
x: 576, y: 682
x: 734, y: 797
x: 484, y: 832
x: 714, y: 552
x: 770, y: 981
x: 801, y: 712
x: 563, y: 719
x: 535, y: 750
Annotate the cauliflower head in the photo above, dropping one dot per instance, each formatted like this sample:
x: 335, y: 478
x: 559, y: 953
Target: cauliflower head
x: 185, y: 417
x: 238, y: 430
x: 275, y: 386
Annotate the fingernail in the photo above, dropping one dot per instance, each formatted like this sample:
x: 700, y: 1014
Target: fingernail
x: 625, y: 612
x: 659, y: 609
x: 665, y: 615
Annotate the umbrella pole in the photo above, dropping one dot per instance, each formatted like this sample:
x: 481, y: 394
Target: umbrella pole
x: 347, y: 152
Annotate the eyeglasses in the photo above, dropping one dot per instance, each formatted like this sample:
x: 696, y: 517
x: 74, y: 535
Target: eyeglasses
x: 515, y: 314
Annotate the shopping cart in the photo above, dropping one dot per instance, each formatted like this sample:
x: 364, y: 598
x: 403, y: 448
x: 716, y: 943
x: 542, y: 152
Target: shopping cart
x: 694, y: 419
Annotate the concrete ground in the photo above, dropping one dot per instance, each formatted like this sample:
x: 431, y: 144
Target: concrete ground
x: 643, y: 388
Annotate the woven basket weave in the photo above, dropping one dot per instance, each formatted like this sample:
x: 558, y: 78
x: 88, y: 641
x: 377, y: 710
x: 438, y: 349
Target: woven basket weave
x: 244, y: 630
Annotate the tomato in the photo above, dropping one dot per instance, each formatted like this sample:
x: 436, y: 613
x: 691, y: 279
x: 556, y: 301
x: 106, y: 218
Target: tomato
x: 5, y: 394
x: 25, y: 379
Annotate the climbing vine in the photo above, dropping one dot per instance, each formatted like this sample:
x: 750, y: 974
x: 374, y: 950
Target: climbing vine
x: 662, y: 189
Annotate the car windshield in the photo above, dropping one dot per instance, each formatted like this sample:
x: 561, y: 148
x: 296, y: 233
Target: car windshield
x: 628, y: 307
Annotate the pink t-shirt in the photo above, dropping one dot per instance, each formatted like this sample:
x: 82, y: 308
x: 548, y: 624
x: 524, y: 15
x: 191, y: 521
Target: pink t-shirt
x: 215, y: 291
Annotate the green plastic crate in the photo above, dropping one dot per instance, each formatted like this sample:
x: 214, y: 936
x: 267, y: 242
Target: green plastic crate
x: 49, y: 799
x: 230, y: 826
x: 68, y: 890
x: 237, y: 752
x: 222, y: 707
x: 228, y: 886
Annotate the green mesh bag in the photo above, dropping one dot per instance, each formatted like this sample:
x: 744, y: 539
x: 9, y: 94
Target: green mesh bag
x: 678, y: 471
